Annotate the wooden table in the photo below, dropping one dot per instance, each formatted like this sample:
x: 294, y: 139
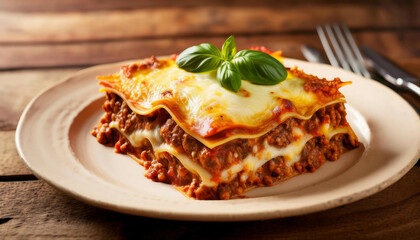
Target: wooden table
x: 42, y: 42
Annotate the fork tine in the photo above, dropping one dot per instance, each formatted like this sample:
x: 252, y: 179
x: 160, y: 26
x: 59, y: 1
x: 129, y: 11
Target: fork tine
x: 326, y: 46
x: 347, y: 51
x: 355, y: 50
x: 337, y: 48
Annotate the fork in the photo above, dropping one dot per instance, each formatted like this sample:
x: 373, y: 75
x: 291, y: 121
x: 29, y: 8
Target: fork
x: 345, y: 48
x: 347, y: 55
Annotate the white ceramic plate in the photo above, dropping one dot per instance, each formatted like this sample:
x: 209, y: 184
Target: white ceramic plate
x: 53, y: 138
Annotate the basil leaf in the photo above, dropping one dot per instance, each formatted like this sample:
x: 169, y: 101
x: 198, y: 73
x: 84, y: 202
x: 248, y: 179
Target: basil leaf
x: 229, y: 76
x: 200, y: 58
x: 229, y: 48
x: 254, y: 66
x: 259, y: 67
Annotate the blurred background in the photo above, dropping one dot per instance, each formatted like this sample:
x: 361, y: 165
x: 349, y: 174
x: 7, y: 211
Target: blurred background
x: 45, y: 33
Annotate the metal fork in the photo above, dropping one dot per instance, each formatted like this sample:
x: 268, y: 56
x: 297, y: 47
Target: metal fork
x: 347, y: 55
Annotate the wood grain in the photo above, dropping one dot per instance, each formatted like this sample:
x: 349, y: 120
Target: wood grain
x: 10, y: 162
x: 95, y: 5
x: 224, y: 20
x: 35, y: 210
x: 402, y: 47
x: 19, y: 87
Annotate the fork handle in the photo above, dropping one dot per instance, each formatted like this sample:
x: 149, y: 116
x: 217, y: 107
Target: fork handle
x: 413, y: 88
x: 408, y: 85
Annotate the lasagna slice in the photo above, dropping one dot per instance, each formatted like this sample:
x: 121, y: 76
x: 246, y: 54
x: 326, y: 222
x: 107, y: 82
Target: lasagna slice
x: 210, y: 143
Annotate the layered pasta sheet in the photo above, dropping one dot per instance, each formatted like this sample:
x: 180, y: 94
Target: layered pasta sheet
x: 215, y: 144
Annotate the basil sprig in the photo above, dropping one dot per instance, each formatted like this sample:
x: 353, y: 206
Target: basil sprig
x: 201, y: 58
x: 255, y: 66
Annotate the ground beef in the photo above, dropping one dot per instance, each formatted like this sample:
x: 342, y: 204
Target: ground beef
x: 164, y: 167
x: 211, y: 159
x: 281, y: 136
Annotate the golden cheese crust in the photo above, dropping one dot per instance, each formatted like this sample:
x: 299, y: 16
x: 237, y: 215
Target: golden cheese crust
x: 212, y: 114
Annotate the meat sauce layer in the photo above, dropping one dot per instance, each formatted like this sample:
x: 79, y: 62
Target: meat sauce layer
x: 164, y: 167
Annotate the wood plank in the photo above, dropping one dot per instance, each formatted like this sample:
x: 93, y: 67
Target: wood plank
x: 402, y: 47
x: 198, y: 20
x: 19, y: 87
x: 10, y: 162
x: 34, y: 210
x: 94, y: 5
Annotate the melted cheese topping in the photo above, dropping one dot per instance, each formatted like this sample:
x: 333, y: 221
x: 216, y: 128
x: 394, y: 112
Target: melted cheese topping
x: 246, y: 167
x: 207, y: 111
